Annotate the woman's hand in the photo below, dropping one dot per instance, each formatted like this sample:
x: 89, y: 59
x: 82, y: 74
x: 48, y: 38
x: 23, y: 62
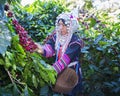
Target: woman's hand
x: 39, y: 48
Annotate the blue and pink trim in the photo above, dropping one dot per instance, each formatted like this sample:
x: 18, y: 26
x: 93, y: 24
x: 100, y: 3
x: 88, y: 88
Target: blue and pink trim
x: 62, y: 63
x: 79, y: 42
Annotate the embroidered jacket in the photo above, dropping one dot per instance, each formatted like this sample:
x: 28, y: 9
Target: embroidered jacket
x: 71, y: 54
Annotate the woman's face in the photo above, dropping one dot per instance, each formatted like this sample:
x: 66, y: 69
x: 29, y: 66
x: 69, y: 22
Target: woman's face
x: 62, y: 27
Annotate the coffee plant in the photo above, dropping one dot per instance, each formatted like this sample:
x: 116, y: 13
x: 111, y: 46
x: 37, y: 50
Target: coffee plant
x: 26, y: 73
x: 101, y: 54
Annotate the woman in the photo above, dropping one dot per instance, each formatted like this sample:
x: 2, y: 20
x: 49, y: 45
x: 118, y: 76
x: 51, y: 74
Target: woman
x: 66, y: 45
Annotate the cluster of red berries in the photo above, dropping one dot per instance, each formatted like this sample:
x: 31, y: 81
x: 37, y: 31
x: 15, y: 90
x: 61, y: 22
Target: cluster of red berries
x: 6, y: 8
x: 26, y: 42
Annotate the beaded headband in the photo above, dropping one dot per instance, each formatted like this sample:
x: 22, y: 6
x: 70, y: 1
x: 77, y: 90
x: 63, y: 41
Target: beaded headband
x: 70, y: 21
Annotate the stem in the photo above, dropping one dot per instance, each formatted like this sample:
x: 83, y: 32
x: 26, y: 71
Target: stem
x: 11, y: 79
x: 10, y: 76
x: 17, y: 81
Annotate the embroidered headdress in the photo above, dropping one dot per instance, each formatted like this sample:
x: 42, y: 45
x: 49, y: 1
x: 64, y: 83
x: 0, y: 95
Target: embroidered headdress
x: 72, y: 26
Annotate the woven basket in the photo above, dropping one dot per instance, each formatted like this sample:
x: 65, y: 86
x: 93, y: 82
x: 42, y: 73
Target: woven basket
x: 66, y: 81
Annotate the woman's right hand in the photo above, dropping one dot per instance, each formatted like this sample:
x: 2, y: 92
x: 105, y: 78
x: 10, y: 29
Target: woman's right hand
x: 39, y: 48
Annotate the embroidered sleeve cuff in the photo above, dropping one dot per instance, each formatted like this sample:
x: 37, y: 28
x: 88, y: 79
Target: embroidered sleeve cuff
x: 48, y: 51
x: 61, y: 63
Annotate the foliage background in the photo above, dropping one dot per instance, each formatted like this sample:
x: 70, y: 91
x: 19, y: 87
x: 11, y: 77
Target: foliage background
x: 100, y: 58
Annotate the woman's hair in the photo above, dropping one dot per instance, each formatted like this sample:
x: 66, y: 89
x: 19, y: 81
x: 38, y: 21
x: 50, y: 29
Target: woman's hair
x: 61, y: 19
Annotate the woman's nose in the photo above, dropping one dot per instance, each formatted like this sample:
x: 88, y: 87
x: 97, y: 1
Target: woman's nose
x: 60, y: 26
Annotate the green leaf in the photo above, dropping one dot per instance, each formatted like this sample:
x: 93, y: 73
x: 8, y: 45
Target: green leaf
x: 2, y: 2
x: 44, y: 91
x: 14, y: 66
x: 85, y: 49
x: 52, y: 77
x: 20, y: 49
x: 93, y: 67
x: 1, y: 61
x: 99, y: 48
x: 7, y: 62
x: 10, y: 27
x: 9, y: 55
x: 116, y: 68
x: 30, y: 17
x: 5, y: 38
x: 44, y: 76
x: 116, y: 90
x: 108, y: 84
x: 15, y: 40
x: 26, y: 93
x: 102, y: 61
x: 98, y: 38
x: 15, y: 90
x: 4, y: 92
x: 43, y: 63
x: 102, y: 43
x: 34, y: 81
x: 92, y: 22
